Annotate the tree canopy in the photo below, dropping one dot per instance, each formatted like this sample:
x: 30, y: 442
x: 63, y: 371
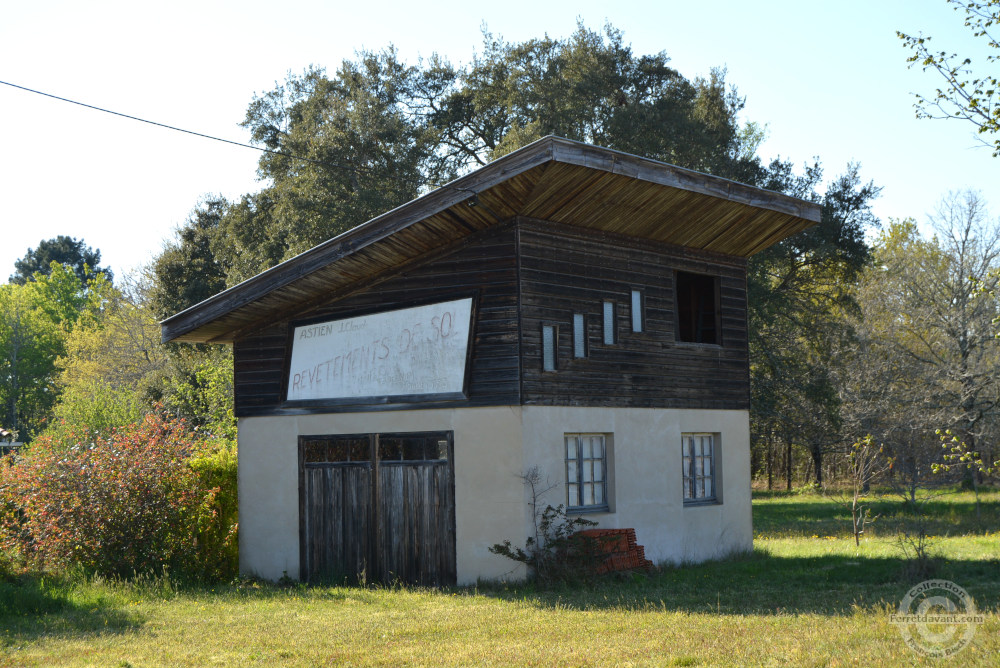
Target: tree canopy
x: 344, y: 148
x: 67, y: 251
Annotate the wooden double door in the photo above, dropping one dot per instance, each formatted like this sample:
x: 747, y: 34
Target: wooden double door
x: 378, y: 507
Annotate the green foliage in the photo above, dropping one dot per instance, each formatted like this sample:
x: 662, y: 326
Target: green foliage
x: 189, y: 269
x: 66, y: 251
x: 376, y: 132
x: 198, y: 386
x: 925, y: 356
x: 800, y: 313
x: 589, y: 87
x: 35, y: 319
x: 364, y: 151
x: 218, y: 541
x: 118, y: 504
x: 796, y: 600
x: 118, y: 347
x: 969, y: 95
x: 97, y: 408
x: 555, y: 553
x: 958, y: 453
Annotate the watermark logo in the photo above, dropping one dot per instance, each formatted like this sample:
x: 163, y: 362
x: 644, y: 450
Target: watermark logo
x: 937, y: 618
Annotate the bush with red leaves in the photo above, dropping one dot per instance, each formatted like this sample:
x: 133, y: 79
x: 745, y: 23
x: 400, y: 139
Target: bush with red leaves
x: 115, y: 505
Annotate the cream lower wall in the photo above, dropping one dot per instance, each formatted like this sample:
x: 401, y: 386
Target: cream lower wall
x: 493, y: 446
x: 645, y: 467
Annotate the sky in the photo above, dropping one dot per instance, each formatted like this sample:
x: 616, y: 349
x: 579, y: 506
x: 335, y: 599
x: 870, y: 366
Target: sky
x: 829, y: 80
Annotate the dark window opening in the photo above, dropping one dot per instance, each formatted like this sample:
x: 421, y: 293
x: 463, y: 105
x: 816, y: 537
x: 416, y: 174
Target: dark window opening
x: 361, y: 448
x: 697, y: 308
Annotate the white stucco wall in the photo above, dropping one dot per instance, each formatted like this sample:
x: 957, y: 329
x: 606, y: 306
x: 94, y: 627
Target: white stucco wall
x: 493, y: 446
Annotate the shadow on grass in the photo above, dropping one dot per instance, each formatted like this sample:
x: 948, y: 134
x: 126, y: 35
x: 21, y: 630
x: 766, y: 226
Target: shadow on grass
x: 791, y: 517
x: 761, y: 584
x: 32, y: 606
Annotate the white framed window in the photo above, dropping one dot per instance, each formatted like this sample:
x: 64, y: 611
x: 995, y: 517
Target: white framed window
x: 609, y: 328
x: 698, y: 457
x: 586, y: 472
x: 549, y: 340
x: 636, y: 310
x: 579, y: 335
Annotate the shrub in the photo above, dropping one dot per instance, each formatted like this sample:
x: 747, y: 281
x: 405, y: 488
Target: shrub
x: 218, y: 542
x: 125, y: 503
x: 555, y: 552
x: 559, y: 553
x: 96, y: 407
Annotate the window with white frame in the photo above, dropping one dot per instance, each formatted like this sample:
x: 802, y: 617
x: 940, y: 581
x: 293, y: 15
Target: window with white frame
x: 609, y: 328
x: 586, y: 472
x: 698, y: 456
x: 549, y: 340
x: 579, y: 335
x: 636, y: 310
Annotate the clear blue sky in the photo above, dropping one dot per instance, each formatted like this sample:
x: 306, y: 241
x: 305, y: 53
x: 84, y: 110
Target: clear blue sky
x: 829, y: 80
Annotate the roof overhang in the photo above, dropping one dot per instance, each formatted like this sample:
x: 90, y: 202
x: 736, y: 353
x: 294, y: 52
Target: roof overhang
x: 552, y: 179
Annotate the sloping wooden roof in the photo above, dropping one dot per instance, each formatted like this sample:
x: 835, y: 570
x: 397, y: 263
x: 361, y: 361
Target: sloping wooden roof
x: 551, y: 179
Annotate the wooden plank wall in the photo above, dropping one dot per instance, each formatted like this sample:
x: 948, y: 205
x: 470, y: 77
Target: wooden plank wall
x: 565, y: 271
x: 484, y: 265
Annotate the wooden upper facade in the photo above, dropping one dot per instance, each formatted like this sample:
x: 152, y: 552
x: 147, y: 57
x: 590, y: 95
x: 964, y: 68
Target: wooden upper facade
x: 542, y: 240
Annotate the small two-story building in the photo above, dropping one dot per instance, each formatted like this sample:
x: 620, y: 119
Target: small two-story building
x: 566, y: 308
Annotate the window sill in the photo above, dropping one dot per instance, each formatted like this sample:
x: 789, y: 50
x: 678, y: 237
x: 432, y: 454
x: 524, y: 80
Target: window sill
x: 587, y: 510
x: 695, y: 344
x: 702, y: 502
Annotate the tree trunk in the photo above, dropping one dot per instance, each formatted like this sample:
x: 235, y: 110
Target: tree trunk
x: 788, y: 465
x: 770, y: 461
x: 817, y: 455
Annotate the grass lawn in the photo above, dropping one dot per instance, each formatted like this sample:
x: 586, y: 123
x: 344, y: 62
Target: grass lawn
x: 805, y: 597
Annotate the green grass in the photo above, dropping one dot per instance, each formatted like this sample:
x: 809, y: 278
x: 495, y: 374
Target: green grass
x: 805, y: 596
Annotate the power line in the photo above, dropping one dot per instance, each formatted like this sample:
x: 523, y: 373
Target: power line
x: 220, y: 139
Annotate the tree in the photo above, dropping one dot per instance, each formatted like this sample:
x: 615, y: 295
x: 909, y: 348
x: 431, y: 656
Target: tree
x: 361, y: 152
x: 590, y: 87
x: 967, y: 94
x: 107, y: 372
x: 67, y: 251
x: 34, y: 320
x: 191, y: 267
x: 798, y: 295
x: 345, y: 148
x: 927, y: 342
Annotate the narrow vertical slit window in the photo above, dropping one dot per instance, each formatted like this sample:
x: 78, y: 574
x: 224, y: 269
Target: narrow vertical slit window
x: 609, y: 323
x: 636, y: 311
x: 579, y: 335
x: 548, y: 348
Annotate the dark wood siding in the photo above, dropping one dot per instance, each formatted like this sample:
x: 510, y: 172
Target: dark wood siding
x: 548, y: 272
x: 483, y: 266
x: 565, y: 271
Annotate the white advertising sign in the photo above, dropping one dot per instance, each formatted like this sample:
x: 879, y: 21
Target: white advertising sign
x: 419, y: 350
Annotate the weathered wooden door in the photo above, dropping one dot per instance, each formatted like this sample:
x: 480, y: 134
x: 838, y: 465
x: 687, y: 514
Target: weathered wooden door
x: 378, y: 506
